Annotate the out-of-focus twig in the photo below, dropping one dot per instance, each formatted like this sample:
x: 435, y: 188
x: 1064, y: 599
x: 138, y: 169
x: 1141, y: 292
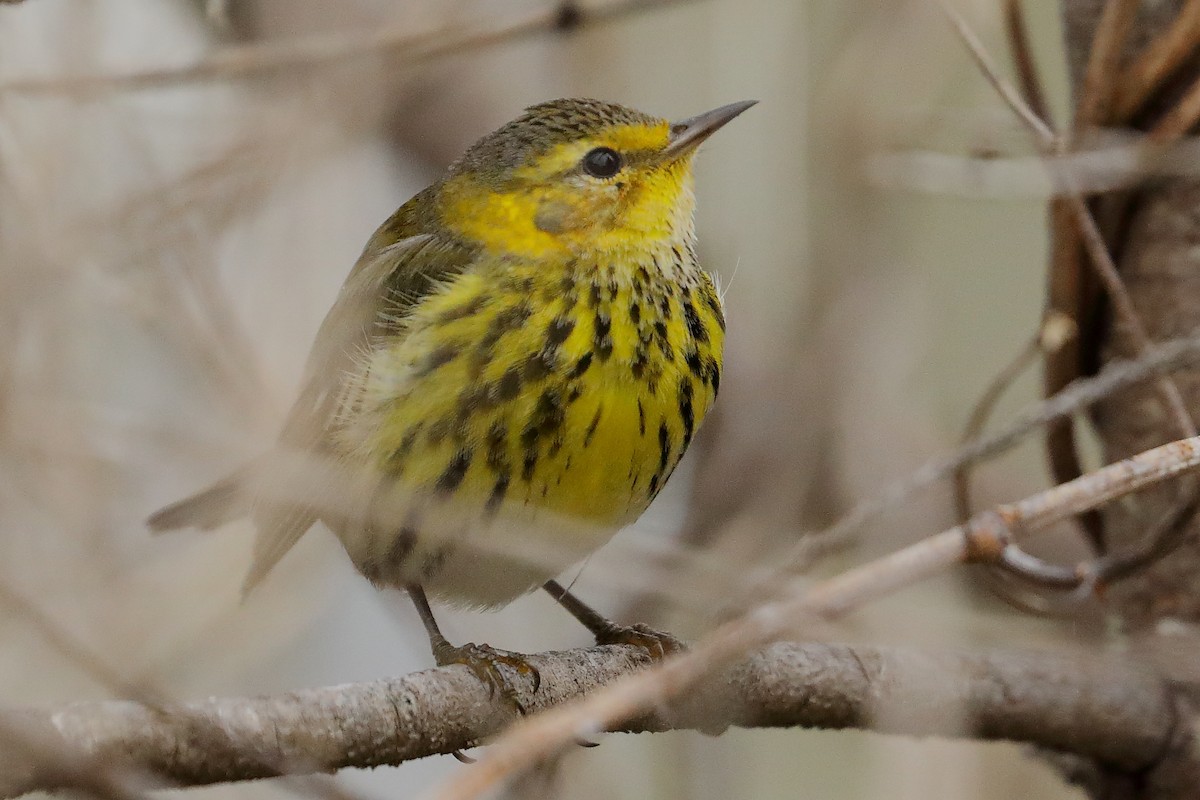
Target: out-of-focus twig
x: 982, y: 412
x: 1094, y: 107
x: 1027, y: 73
x: 982, y: 540
x: 1117, y: 713
x: 396, y: 41
x: 1006, y: 90
x: 1114, y: 27
x: 1180, y: 119
x: 1115, y: 377
x: 1161, y: 58
x: 1097, y: 95
x: 73, y: 650
x: 76, y: 766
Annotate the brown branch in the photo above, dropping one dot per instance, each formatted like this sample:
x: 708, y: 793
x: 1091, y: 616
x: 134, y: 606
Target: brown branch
x: 1179, y: 119
x: 1022, y: 50
x: 1102, y: 65
x: 1158, y: 61
x: 1117, y: 376
x: 1104, y: 62
x: 76, y: 766
x: 397, y: 42
x: 1116, y: 713
x: 982, y: 412
x: 982, y: 539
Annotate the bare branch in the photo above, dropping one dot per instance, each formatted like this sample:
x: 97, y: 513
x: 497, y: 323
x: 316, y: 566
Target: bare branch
x: 1027, y: 72
x: 1180, y: 118
x: 981, y: 539
x: 982, y: 412
x: 1104, y: 62
x: 1006, y: 90
x: 1152, y: 67
x: 1115, y: 377
x: 1113, y: 712
x: 395, y: 41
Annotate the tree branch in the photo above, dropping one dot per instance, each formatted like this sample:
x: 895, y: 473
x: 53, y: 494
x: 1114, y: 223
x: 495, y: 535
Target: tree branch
x: 1115, y: 713
x: 396, y: 41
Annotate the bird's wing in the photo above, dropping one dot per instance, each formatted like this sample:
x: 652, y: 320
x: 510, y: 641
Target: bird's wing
x: 388, y: 280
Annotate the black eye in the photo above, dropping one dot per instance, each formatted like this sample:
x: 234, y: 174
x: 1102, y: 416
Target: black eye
x: 603, y: 162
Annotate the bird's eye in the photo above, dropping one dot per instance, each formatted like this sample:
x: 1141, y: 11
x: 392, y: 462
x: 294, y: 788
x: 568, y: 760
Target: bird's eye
x: 603, y: 162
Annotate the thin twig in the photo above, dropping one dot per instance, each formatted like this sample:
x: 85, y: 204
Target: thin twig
x: 981, y: 539
x: 1027, y: 72
x: 152, y: 699
x: 1180, y: 119
x: 1101, y: 259
x: 1083, y: 393
x: 1157, y: 62
x: 1005, y: 89
x: 1051, y: 143
x: 1115, y: 27
x: 396, y: 41
x: 1104, y: 63
x: 1014, y: 596
x: 982, y: 412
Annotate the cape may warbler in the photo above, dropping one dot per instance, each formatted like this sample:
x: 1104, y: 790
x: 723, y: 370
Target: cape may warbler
x: 510, y: 373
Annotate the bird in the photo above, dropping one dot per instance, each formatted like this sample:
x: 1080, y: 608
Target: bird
x: 511, y: 371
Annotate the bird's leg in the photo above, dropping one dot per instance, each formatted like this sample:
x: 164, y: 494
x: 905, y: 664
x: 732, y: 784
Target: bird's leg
x: 657, y: 643
x: 482, y: 659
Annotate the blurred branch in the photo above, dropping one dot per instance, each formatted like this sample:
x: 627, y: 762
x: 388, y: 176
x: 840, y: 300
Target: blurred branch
x: 397, y: 42
x: 1118, y: 714
x: 1102, y: 65
x: 1165, y: 55
x: 1022, y: 51
x: 33, y: 752
x: 1117, y: 376
x: 983, y: 539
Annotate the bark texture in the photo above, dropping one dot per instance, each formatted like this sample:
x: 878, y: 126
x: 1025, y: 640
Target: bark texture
x: 1155, y: 241
x: 1157, y: 249
x: 1110, y: 713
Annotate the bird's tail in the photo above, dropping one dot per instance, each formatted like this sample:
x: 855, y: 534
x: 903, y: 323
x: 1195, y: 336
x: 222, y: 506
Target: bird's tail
x: 226, y: 500
x: 279, y: 525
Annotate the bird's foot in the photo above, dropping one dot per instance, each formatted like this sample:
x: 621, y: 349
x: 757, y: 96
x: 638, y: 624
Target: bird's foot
x: 486, y: 662
x: 659, y: 644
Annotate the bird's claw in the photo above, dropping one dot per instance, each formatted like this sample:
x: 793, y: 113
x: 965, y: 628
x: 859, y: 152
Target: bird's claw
x: 486, y: 661
x: 659, y: 644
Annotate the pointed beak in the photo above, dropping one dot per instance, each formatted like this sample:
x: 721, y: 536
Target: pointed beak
x: 687, y: 134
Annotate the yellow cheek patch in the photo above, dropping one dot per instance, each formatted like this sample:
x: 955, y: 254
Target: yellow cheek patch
x: 504, y: 222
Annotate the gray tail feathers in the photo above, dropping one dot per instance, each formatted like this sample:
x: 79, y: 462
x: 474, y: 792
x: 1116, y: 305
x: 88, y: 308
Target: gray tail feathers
x: 278, y: 529
x: 226, y: 500
x: 279, y: 524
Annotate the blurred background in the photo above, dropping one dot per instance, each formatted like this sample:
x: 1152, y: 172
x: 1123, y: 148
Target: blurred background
x: 171, y: 236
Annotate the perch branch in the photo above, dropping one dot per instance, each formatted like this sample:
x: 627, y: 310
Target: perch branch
x: 982, y: 539
x: 1116, y: 713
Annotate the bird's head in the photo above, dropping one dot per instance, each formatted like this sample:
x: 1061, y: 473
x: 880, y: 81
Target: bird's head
x: 576, y: 176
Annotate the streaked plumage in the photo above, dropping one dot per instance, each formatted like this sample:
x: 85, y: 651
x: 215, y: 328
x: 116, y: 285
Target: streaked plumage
x: 512, y: 369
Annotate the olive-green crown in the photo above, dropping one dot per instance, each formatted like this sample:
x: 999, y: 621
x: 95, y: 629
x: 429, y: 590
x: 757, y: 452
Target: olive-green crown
x: 541, y: 127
